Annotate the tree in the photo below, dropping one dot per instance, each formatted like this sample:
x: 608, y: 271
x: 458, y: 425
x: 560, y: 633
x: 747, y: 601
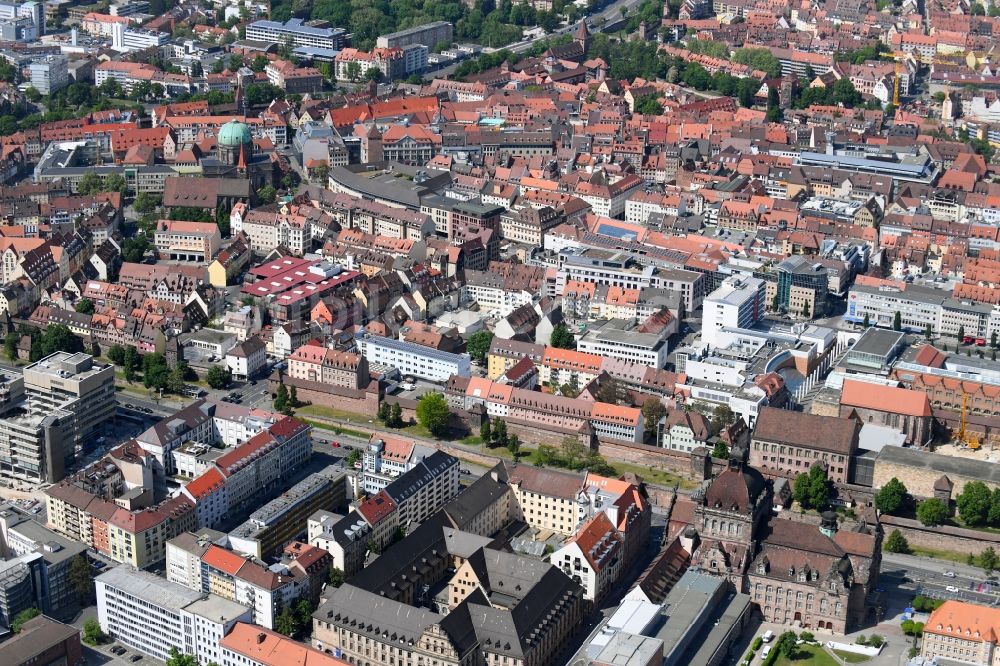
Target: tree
x: 805, y: 310
x: 652, y: 411
x: 720, y: 450
x: 285, y: 624
x: 478, y: 345
x: 115, y: 183
x: 219, y: 377
x: 134, y: 248
x: 374, y: 74
x: 92, y: 632
x: 353, y: 71
x: 395, y: 416
x: 960, y: 336
x: 932, y: 512
x: 281, y: 398
x: 867, y: 321
x: 514, y: 445
x: 896, y: 543
x: 786, y: 646
x: 499, y: 432
x: 433, y: 413
x: 22, y: 617
x: 10, y: 344
x: 758, y: 58
x: 647, y: 105
x: 383, y: 412
x: 89, y: 183
x: 259, y: 63
x: 993, y: 339
x: 176, y: 379
x: 974, y: 503
x: 84, y: 306
x: 267, y: 194
x: 562, y: 338
x: 130, y: 363
x: 928, y: 332
x: 293, y: 397
x: 303, y: 616
x: 354, y: 457
x: 485, y: 433
x: 989, y: 560
x: 335, y: 577
x: 812, y: 490
x: 993, y: 518
x: 891, y: 497
x: 145, y: 202
x: 81, y: 577
x: 155, y: 371
x: 897, y: 321
x: 722, y: 416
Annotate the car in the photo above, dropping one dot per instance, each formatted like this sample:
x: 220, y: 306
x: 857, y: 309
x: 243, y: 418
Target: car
x: 135, y: 657
x: 948, y: 574
x: 980, y: 342
x: 99, y: 565
x: 951, y: 588
x: 335, y: 445
x: 348, y: 447
x: 357, y: 465
x: 253, y: 383
x: 967, y: 339
x: 768, y: 636
x: 118, y: 649
x: 766, y: 651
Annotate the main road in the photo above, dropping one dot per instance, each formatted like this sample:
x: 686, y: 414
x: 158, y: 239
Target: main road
x: 941, y: 580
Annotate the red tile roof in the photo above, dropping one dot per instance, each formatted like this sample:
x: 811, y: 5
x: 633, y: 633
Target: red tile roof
x: 224, y: 560
x: 206, y: 484
x: 885, y: 398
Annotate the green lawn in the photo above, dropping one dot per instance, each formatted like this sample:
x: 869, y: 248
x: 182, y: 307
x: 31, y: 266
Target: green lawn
x: 323, y: 411
x: 851, y: 657
x: 323, y: 425
x: 656, y: 477
x: 811, y: 655
x: 937, y: 554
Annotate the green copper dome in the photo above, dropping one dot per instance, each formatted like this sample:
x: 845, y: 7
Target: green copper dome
x: 234, y: 133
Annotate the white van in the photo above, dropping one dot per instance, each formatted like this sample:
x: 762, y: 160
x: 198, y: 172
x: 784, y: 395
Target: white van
x: 768, y: 636
x: 766, y: 651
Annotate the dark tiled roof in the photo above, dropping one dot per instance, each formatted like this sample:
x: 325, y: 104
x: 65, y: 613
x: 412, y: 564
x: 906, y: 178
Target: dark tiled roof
x: 826, y: 433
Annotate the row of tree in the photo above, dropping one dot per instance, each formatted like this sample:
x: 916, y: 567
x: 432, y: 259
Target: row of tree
x: 54, y: 338
x: 494, y: 435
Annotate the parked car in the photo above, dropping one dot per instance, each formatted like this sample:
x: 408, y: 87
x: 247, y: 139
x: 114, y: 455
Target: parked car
x: 948, y: 574
x: 335, y: 445
x: 951, y: 588
x: 135, y: 657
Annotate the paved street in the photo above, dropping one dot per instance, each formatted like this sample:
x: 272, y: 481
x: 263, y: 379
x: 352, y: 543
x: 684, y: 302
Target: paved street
x: 934, y: 577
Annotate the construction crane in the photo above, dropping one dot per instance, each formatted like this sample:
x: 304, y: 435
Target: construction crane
x: 962, y: 435
x: 895, y: 86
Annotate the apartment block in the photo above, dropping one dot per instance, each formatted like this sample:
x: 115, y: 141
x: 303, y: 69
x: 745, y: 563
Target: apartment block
x: 413, y: 359
x: 153, y: 615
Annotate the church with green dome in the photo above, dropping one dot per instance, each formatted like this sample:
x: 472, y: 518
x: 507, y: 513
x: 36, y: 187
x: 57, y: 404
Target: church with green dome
x: 238, y: 156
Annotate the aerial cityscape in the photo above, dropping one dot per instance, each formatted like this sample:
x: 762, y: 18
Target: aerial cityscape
x: 479, y: 333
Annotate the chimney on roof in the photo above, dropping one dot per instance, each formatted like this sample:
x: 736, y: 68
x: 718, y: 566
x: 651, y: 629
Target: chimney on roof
x: 260, y: 637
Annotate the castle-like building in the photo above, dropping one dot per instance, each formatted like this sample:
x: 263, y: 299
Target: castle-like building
x: 799, y: 573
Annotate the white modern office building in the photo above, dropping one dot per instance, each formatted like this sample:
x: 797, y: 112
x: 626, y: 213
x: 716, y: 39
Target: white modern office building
x: 737, y: 303
x: 298, y: 32
x: 152, y: 615
x: 49, y: 74
x: 412, y: 359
